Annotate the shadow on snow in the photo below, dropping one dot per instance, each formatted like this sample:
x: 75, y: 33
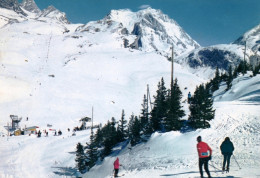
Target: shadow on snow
x: 197, y: 172
x: 64, y: 171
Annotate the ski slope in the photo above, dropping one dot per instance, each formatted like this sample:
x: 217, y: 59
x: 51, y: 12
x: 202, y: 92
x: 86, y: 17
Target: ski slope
x: 171, y: 154
x: 53, y: 77
x: 174, y: 154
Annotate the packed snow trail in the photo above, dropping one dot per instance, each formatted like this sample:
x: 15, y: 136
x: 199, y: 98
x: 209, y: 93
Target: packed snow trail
x: 29, y: 156
x: 174, y: 154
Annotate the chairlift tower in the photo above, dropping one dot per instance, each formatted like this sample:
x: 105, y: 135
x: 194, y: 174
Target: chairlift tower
x: 15, y: 122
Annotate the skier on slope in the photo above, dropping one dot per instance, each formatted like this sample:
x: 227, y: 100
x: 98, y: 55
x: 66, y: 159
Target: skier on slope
x: 116, y: 167
x: 227, y: 149
x: 205, y: 153
x: 189, y: 97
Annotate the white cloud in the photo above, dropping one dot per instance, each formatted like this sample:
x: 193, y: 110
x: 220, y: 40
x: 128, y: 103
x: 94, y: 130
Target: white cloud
x: 145, y: 6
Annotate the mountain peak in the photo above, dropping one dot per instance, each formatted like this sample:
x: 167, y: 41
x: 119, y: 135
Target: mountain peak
x: 251, y: 38
x: 54, y: 13
x: 12, y: 5
x: 154, y: 30
x: 30, y: 6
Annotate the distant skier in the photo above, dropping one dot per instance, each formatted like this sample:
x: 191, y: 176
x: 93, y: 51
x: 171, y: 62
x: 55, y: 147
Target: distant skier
x: 205, y: 153
x: 116, y: 167
x: 39, y: 133
x: 227, y: 149
x: 189, y: 97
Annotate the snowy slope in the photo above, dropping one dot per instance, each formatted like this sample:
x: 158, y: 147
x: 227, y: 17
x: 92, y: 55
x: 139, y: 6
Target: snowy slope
x: 171, y: 154
x: 51, y: 71
x: 174, y: 154
x: 54, y: 72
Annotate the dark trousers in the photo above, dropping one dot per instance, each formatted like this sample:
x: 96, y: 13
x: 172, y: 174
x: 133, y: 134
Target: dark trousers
x: 204, y: 161
x: 226, y: 160
x: 116, y: 172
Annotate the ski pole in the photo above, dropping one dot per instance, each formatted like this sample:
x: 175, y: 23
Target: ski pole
x: 214, y: 167
x: 236, y: 161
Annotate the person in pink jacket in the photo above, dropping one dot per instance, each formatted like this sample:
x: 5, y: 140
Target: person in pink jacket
x: 116, y: 167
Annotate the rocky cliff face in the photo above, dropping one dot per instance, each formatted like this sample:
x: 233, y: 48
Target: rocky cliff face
x: 53, y: 13
x: 30, y: 6
x: 11, y: 5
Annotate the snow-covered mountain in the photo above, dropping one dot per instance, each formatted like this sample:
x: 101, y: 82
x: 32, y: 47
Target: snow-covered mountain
x: 221, y: 56
x: 12, y: 5
x: 148, y: 30
x: 252, y: 41
x: 224, y: 55
x: 53, y: 13
x: 30, y: 6
x: 251, y: 38
x: 51, y: 71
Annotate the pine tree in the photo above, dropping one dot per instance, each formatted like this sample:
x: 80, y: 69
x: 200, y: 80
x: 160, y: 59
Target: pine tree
x: 230, y: 78
x: 175, y: 112
x: 201, y: 108
x: 80, y: 159
x: 159, y: 111
x: 216, y: 81
x: 144, y: 113
x: 145, y: 123
x: 235, y: 73
x: 134, y: 130
x: 91, y: 151
x: 256, y: 70
x: 98, y: 138
x: 110, y: 137
x: 122, y: 128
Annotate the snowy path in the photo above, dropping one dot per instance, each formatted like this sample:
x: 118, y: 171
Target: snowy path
x: 43, y: 157
x: 174, y: 155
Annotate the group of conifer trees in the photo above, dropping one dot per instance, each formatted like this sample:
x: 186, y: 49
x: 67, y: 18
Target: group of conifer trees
x: 165, y: 115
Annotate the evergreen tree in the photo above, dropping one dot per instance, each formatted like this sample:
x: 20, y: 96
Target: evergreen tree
x: 145, y: 123
x: 159, y: 111
x: 175, y: 112
x: 80, y: 159
x: 144, y: 113
x: 243, y: 67
x: 256, y: 70
x: 98, y: 138
x: 134, y: 130
x: 230, y: 78
x: 122, y: 128
x: 91, y: 151
x: 216, y: 81
x: 110, y: 137
x: 201, y: 108
x: 235, y: 73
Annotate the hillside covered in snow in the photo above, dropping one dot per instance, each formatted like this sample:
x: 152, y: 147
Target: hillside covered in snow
x: 171, y: 154
x: 52, y: 73
x: 52, y: 70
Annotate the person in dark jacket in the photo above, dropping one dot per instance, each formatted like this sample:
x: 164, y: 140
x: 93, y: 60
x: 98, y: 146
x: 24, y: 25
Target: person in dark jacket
x: 227, y: 149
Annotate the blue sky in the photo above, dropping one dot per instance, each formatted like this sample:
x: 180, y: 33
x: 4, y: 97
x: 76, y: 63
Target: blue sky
x: 208, y: 22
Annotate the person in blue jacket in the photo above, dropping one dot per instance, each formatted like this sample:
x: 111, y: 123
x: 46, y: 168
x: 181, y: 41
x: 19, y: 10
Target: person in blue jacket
x: 227, y: 149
